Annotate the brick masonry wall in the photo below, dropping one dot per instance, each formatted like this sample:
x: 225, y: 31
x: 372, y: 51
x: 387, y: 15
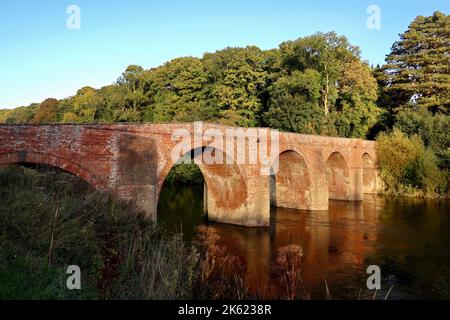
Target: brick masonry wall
x: 133, y: 160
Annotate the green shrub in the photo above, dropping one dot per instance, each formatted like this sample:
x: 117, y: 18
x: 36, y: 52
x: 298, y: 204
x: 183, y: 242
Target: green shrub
x: 406, y: 163
x: 432, y: 129
x: 423, y: 173
x: 395, y: 152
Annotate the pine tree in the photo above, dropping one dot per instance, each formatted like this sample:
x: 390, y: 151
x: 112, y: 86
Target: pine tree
x: 417, y: 71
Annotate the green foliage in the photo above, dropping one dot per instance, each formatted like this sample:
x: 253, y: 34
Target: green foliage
x: 239, y: 78
x: 406, y: 162
x: 433, y: 129
x: 294, y: 103
x: 4, y: 113
x: 185, y: 173
x: 50, y: 219
x: 417, y: 71
x: 20, y: 115
x: 316, y: 84
x: 414, y: 92
x: 323, y: 87
x: 423, y: 173
x: 177, y: 90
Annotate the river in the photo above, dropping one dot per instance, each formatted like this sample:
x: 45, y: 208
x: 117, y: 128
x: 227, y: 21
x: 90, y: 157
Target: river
x: 409, y: 239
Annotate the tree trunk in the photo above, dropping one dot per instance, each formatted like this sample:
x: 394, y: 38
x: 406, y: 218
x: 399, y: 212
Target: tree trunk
x: 325, y: 97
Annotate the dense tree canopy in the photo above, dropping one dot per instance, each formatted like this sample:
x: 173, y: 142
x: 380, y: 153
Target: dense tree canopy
x: 317, y: 84
x: 323, y: 87
x: 47, y: 111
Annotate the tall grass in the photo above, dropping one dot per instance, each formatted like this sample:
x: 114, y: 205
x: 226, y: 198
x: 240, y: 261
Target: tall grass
x: 120, y: 253
x: 50, y: 220
x: 288, y: 261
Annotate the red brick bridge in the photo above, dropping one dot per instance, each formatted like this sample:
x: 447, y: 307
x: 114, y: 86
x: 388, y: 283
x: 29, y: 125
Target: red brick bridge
x: 133, y: 161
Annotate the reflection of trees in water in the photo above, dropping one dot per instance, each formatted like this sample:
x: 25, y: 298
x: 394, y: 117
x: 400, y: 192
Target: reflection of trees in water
x: 415, y: 240
x: 335, y: 243
x: 180, y: 208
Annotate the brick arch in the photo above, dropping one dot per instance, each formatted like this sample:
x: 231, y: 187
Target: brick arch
x: 338, y: 175
x: 225, y: 184
x: 291, y: 183
x: 54, y: 161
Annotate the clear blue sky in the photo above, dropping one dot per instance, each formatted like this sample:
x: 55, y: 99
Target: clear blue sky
x: 40, y: 57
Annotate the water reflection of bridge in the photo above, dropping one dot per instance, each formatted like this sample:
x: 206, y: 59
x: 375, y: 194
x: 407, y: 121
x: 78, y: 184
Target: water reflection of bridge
x: 335, y: 242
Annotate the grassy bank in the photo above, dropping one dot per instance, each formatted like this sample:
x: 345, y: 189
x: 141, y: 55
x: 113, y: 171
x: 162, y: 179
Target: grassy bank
x: 50, y: 220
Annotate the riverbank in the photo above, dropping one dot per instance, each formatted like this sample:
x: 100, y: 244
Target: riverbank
x: 51, y: 220
x: 412, y: 193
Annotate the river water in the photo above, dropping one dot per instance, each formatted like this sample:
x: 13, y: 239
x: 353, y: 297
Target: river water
x: 409, y: 239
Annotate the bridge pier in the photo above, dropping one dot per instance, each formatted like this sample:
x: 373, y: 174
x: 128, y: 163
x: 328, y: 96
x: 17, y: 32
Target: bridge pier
x: 144, y: 196
x: 356, y: 185
x: 252, y: 211
x: 319, y: 188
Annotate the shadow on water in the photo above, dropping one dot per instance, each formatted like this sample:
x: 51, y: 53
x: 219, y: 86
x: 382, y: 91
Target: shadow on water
x: 409, y: 239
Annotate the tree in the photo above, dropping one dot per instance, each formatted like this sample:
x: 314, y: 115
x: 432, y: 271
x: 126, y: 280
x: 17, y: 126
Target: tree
x: 355, y: 109
x: 432, y: 129
x: 135, y: 99
x: 47, y: 112
x: 114, y: 104
x: 406, y: 162
x: 316, y: 84
x: 328, y: 74
x: 294, y: 103
x: 85, y: 106
x: 417, y: 70
x: 176, y: 90
x: 132, y: 77
x: 322, y: 52
x: 20, y: 114
x: 238, y: 80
